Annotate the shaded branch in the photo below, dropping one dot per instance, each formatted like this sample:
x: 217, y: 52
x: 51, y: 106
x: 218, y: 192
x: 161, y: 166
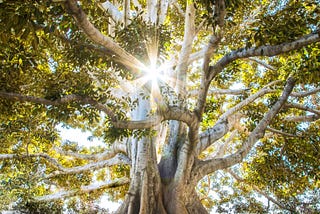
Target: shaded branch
x: 82, y: 190
x: 50, y: 160
x: 169, y: 113
x: 61, y: 101
x: 220, y: 12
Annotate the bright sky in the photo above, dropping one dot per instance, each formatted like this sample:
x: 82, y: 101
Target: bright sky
x: 77, y: 135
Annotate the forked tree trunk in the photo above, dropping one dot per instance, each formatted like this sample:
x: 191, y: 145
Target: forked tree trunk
x: 153, y: 188
x: 150, y: 193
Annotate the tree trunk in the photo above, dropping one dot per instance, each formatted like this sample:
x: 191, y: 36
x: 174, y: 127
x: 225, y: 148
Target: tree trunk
x: 150, y: 193
x: 153, y: 188
x: 145, y: 192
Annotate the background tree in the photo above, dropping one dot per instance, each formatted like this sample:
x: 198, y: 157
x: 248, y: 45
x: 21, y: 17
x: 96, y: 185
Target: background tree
x: 201, y: 105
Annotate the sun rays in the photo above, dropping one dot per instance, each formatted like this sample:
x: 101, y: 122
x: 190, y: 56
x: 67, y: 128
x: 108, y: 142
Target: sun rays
x: 153, y: 77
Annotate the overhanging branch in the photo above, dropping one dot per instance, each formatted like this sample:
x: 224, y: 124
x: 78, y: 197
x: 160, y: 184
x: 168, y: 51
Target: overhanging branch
x: 113, y: 151
x: 61, y: 170
x: 64, y: 100
x: 268, y: 50
x: 82, y: 190
x: 118, y: 159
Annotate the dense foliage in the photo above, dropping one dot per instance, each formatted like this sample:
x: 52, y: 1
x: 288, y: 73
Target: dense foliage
x: 45, y: 55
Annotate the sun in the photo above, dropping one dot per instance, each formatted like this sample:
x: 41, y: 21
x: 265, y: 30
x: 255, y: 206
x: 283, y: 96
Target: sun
x: 152, y: 73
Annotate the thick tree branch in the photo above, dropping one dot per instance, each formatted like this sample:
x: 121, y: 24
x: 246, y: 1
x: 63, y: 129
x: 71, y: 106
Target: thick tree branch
x: 96, y: 36
x: 170, y: 113
x: 189, y: 33
x: 268, y: 50
x: 211, y: 135
x: 152, y: 12
x: 205, y: 167
x: 116, y: 15
x: 163, y: 11
x: 82, y: 190
x: 208, y: 137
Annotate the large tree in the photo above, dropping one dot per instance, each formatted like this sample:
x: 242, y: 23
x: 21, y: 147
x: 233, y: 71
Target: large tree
x: 199, y: 103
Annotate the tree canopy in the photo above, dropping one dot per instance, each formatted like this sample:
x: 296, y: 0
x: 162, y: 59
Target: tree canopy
x: 201, y: 105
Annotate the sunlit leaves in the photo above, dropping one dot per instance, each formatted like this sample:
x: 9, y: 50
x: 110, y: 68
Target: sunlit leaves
x: 44, y: 54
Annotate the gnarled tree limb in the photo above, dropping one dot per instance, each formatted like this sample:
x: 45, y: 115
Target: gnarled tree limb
x: 209, y: 137
x: 205, y: 167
